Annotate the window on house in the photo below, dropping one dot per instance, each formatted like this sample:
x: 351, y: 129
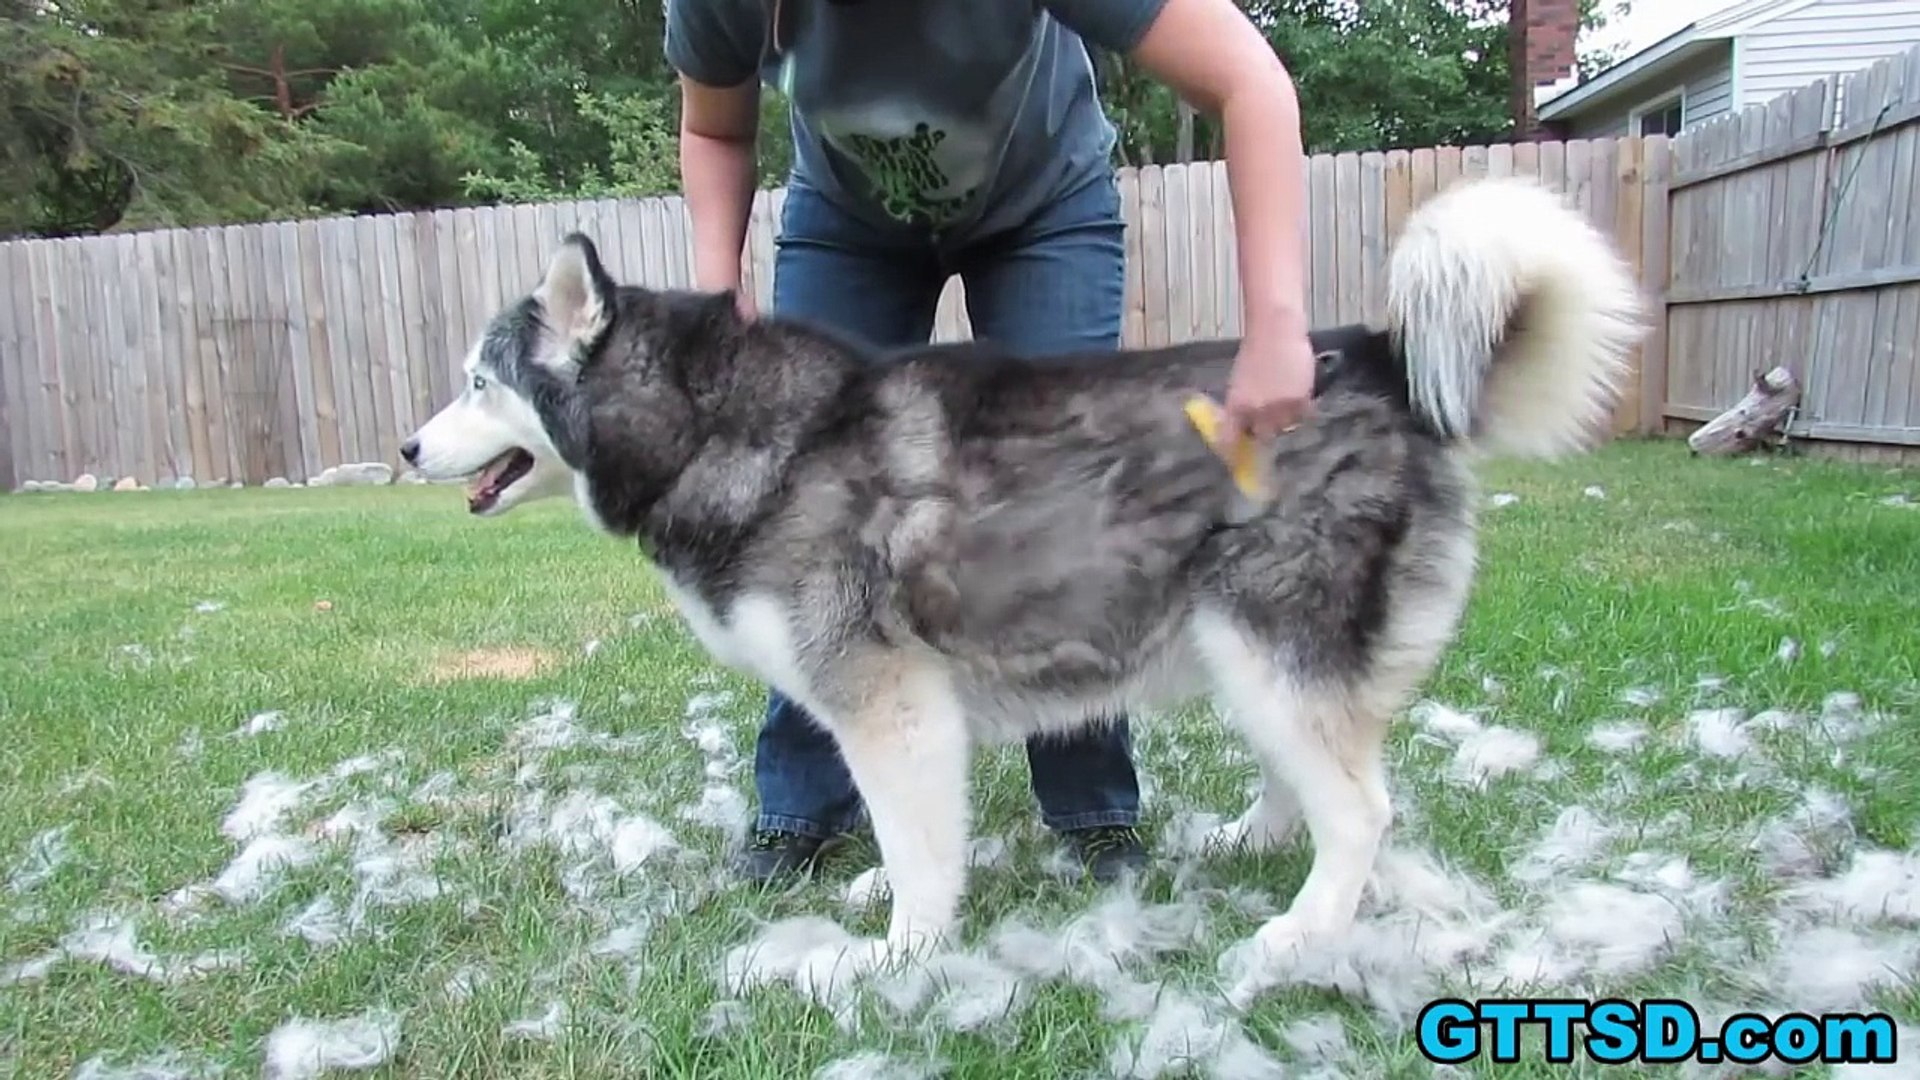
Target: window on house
x: 1662, y: 119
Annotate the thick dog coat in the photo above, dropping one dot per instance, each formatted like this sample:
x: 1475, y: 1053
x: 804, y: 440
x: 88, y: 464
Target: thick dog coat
x: 952, y: 545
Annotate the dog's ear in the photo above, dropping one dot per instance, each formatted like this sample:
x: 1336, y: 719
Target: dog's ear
x: 576, y: 296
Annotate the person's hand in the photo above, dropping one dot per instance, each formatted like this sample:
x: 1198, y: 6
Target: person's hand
x: 743, y: 303
x: 1271, y: 389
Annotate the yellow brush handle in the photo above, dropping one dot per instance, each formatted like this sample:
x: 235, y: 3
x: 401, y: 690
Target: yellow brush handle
x: 1242, y: 458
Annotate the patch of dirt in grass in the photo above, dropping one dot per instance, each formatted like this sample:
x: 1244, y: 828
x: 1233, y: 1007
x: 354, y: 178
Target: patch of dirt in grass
x: 514, y: 663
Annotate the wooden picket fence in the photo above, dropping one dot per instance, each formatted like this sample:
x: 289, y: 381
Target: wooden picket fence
x: 252, y: 351
x: 1796, y: 242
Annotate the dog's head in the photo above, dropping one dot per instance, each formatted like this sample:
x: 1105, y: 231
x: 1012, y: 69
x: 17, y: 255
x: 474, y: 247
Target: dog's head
x: 512, y: 429
x: 579, y: 368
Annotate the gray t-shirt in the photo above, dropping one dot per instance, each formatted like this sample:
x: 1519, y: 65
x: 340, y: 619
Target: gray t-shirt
x: 960, y: 116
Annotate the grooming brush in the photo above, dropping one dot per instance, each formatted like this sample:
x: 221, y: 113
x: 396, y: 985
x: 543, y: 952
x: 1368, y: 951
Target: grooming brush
x: 1246, y: 459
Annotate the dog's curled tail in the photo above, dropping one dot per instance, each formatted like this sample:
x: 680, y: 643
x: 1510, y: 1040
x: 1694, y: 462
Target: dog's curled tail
x: 1514, y: 316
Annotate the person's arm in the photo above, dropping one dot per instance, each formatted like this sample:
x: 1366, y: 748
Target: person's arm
x: 1212, y: 55
x: 718, y: 132
x: 716, y: 47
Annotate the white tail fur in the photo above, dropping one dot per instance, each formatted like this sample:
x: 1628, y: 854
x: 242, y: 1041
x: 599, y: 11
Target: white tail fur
x: 1515, y: 317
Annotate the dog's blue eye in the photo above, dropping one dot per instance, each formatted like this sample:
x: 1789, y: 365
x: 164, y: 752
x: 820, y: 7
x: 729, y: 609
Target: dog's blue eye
x: 479, y: 382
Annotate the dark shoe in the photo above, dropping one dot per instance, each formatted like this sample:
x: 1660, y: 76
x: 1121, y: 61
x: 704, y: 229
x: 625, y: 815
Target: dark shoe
x: 774, y: 854
x: 1108, y: 851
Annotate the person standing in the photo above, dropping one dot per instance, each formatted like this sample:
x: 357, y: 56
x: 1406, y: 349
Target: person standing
x: 943, y: 137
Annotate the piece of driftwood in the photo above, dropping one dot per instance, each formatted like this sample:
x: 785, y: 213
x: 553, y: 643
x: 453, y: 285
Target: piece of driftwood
x: 1760, y: 417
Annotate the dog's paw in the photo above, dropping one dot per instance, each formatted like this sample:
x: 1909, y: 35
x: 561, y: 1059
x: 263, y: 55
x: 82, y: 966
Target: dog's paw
x: 1265, y: 961
x: 867, y: 890
x: 909, y: 945
x: 1284, y: 939
x: 1255, y: 832
x: 826, y: 972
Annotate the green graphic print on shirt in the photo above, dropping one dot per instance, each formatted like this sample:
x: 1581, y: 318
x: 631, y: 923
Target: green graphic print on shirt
x: 904, y: 172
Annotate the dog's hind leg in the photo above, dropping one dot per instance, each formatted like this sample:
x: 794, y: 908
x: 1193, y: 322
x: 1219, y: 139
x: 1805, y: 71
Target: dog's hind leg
x: 905, y: 743
x: 1326, y: 751
x: 1268, y: 824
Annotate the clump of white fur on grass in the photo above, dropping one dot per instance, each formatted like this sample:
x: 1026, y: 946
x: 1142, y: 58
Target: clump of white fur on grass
x: 166, y: 1065
x: 544, y: 1026
x: 1801, y: 842
x: 1318, y: 1039
x: 1878, y: 886
x: 261, y: 723
x: 387, y: 872
x: 1823, y: 968
x: 1618, y: 737
x: 1574, y: 841
x: 1482, y: 753
x: 875, y: 1065
x: 112, y: 941
x: 304, y: 1048
x: 1102, y: 947
x: 815, y: 955
x: 1641, y: 697
x: 1186, y: 1035
x: 1720, y: 733
x: 592, y: 826
x: 256, y: 871
x: 723, y: 1017
x: 45, y: 854
x: 721, y: 805
x: 1615, y: 928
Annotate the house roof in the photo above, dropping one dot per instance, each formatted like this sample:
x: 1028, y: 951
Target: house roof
x: 1703, y: 36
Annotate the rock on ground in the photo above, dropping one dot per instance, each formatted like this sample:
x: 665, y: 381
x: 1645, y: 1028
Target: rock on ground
x: 362, y: 474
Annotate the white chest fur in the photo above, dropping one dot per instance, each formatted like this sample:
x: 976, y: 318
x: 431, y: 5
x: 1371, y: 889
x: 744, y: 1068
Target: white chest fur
x: 754, y: 636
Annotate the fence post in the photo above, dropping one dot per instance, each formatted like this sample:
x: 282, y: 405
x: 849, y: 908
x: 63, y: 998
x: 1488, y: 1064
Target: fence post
x: 1656, y: 271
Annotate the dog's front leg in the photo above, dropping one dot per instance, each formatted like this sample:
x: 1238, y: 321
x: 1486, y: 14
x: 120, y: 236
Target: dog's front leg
x: 905, y: 743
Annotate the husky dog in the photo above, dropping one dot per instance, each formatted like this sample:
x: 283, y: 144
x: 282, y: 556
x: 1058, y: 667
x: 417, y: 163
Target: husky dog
x: 951, y: 545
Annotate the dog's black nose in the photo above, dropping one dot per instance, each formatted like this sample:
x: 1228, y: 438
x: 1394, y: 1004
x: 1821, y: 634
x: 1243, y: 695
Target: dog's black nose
x: 411, y: 451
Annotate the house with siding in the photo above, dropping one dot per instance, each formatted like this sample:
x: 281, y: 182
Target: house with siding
x: 1744, y: 54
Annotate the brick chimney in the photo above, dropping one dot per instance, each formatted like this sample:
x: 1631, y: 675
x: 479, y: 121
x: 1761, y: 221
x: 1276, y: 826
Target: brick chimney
x: 1540, y: 36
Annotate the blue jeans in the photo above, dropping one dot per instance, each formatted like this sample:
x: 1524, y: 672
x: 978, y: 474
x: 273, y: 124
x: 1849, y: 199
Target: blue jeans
x: 1057, y: 283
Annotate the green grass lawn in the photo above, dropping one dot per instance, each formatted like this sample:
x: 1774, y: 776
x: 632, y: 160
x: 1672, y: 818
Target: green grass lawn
x: 480, y: 857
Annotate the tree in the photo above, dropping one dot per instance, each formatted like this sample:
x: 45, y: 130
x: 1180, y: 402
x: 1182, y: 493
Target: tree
x: 1393, y: 74
x: 128, y: 113
x: 117, y: 115
x: 1594, y: 17
x: 123, y: 113
x: 1372, y: 75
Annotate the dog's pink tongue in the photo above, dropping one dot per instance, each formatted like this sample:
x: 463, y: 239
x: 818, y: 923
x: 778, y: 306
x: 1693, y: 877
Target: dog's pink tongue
x: 481, y: 488
x: 490, y: 474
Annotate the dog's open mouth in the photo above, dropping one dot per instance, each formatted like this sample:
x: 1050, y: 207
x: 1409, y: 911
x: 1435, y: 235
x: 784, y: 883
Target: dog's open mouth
x: 497, y: 476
